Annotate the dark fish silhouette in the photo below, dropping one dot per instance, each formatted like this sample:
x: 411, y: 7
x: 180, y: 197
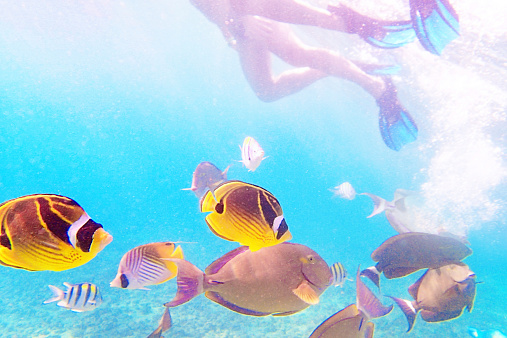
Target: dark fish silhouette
x: 406, y: 253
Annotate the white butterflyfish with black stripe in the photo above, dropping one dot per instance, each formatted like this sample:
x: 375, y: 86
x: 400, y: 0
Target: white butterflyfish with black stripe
x: 344, y: 190
x: 78, y: 297
x: 339, y: 274
x: 147, y: 265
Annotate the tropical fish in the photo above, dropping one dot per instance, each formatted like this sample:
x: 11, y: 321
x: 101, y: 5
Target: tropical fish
x: 278, y: 280
x: 78, y: 297
x: 347, y: 323
x: 407, y: 212
x: 245, y: 213
x: 440, y: 294
x: 48, y: 232
x: 473, y: 332
x: 339, y: 274
x: 406, y: 253
x: 146, y: 265
x: 344, y: 190
x: 251, y: 153
x: 207, y: 177
x: 164, y: 325
x: 353, y: 321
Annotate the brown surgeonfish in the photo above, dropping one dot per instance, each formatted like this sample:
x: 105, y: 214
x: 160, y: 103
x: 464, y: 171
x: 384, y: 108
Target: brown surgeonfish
x: 353, y: 321
x: 245, y: 213
x: 48, y: 232
x: 206, y: 178
x: 278, y: 280
x: 440, y: 294
x: 409, y: 252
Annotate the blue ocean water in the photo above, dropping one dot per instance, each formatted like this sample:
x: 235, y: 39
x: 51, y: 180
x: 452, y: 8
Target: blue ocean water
x: 115, y: 103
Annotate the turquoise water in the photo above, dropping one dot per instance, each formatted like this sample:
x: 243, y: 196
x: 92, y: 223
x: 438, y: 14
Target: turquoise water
x: 115, y: 103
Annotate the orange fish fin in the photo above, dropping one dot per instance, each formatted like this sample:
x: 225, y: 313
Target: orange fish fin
x: 305, y: 292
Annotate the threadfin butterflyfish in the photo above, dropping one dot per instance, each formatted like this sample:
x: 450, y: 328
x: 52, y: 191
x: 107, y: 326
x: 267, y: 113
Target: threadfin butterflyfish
x: 207, y: 177
x: 146, y: 265
x: 252, y: 153
x: 278, y: 280
x: 48, y: 232
x: 78, y: 297
x: 245, y: 213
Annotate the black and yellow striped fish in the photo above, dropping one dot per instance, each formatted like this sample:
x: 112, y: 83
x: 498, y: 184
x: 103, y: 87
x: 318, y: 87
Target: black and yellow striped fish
x: 245, y: 213
x: 48, y: 232
x: 78, y: 297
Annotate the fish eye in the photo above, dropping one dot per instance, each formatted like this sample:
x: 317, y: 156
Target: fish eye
x: 124, y: 281
x: 310, y: 259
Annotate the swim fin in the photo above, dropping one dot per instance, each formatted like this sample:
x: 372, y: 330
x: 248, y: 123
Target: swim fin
x: 378, y: 33
x: 435, y: 23
x: 396, y: 125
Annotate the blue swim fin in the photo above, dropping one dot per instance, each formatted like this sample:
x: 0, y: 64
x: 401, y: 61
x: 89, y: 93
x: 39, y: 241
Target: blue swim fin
x: 435, y: 23
x: 396, y: 125
x: 378, y: 33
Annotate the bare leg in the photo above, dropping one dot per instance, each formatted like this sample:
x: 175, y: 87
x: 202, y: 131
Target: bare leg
x: 289, y: 11
x: 256, y: 64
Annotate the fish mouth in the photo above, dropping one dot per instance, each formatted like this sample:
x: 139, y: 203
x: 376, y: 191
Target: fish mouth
x: 312, y: 283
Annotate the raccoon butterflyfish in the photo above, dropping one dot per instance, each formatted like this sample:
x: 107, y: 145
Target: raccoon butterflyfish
x: 147, y: 265
x: 78, y: 297
x: 48, y: 232
x: 278, y: 280
x: 245, y: 213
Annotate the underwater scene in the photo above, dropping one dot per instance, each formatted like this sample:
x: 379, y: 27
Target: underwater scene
x: 291, y: 160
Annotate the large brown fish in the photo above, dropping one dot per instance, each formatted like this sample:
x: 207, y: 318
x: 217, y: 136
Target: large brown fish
x: 440, y: 294
x: 353, y: 321
x: 406, y: 253
x: 277, y: 280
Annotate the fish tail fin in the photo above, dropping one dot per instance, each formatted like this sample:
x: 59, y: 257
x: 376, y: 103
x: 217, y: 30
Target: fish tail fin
x: 372, y: 274
x: 379, y: 204
x: 190, y: 282
x: 164, y: 325
x: 408, y: 310
x: 57, y: 294
x: 367, y: 302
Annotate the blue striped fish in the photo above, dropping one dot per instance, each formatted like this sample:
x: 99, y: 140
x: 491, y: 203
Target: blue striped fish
x: 78, y: 297
x: 339, y: 274
x: 147, y: 265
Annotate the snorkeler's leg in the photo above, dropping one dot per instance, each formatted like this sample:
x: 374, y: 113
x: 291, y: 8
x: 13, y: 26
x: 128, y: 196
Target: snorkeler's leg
x: 256, y: 63
x: 290, y: 11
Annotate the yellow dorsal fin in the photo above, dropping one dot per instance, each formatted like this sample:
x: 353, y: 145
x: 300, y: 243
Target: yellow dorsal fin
x: 305, y: 292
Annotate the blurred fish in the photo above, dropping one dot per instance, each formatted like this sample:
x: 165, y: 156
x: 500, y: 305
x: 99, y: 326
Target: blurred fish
x: 245, y: 213
x: 207, y: 177
x: 440, y: 294
x: 406, y: 213
x: 277, y: 280
x: 251, y: 153
x: 146, y: 265
x: 353, y: 321
x: 485, y: 333
x: 339, y: 274
x: 164, y: 325
x: 344, y: 190
x: 78, y: 297
x: 48, y: 232
x: 406, y: 253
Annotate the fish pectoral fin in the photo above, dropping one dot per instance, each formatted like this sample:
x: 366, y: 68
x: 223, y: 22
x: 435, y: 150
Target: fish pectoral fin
x: 306, y: 293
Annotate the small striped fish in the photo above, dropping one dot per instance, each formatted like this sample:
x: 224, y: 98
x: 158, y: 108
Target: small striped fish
x: 78, y: 297
x: 147, y: 265
x: 252, y: 153
x: 344, y: 190
x: 339, y: 274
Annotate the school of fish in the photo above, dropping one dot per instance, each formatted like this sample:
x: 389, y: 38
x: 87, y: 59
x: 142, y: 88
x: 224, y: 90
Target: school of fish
x: 265, y: 275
